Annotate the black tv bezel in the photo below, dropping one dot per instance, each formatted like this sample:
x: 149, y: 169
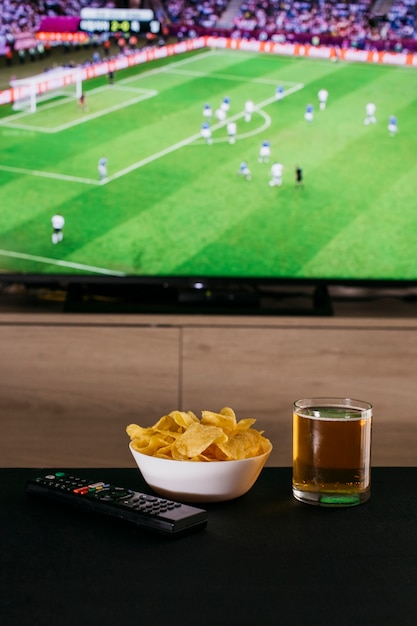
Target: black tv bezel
x: 195, y: 294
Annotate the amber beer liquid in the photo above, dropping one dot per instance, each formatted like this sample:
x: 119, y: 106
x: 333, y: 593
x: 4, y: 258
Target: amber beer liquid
x: 331, y: 451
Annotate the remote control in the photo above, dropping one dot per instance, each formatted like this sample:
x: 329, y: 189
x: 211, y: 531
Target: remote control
x: 145, y: 511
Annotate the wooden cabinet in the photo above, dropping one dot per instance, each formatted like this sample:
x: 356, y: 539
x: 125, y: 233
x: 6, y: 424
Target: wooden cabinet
x: 69, y: 384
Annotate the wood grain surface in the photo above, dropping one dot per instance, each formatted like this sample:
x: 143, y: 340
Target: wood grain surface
x: 69, y: 384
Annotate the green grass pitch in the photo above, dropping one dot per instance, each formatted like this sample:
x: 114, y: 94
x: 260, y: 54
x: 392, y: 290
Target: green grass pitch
x: 174, y: 206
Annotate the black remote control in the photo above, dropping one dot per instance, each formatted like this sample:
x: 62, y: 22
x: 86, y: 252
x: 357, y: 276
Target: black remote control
x: 145, y: 511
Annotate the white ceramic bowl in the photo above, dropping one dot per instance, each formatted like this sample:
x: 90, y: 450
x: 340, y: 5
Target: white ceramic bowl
x: 194, y: 481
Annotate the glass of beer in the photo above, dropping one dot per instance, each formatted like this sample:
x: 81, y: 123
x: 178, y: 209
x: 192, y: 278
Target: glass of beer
x: 332, y: 451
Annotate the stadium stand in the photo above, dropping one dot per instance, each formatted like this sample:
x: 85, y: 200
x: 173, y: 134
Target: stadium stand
x: 380, y: 24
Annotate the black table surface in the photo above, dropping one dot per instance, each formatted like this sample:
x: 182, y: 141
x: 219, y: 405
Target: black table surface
x: 263, y: 559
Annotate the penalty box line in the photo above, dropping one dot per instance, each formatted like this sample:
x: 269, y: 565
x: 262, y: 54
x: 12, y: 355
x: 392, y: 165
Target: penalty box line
x: 120, y: 85
x: 153, y: 157
x: 145, y: 94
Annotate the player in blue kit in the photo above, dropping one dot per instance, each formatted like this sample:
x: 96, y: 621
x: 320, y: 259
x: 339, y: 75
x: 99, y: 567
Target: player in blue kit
x: 244, y: 170
x: 392, y: 125
x: 225, y: 105
x: 308, y: 115
x: 264, y: 152
x: 206, y: 132
x: 102, y: 168
x: 207, y: 112
x: 279, y: 94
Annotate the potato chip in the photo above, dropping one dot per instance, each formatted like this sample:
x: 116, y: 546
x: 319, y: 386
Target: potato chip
x: 226, y: 422
x: 197, y: 438
x: 245, y: 423
x: 181, y: 436
x: 241, y: 445
x: 184, y: 419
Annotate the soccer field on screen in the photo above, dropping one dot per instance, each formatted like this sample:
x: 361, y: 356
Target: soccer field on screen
x: 172, y: 205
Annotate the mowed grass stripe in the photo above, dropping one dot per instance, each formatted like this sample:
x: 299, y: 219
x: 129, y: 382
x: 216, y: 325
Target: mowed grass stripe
x: 338, y: 202
x: 128, y: 220
x: 383, y: 231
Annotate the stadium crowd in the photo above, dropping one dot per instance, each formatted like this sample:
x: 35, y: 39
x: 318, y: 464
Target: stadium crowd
x: 17, y: 17
x: 355, y: 21
x: 276, y: 19
x: 286, y: 19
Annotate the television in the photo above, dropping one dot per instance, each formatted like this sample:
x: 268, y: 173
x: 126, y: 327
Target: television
x: 161, y: 216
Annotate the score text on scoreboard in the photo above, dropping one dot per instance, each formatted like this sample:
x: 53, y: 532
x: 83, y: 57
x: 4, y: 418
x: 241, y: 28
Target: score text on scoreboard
x: 119, y: 21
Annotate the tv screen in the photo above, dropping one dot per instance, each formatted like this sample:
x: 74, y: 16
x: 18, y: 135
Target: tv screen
x: 165, y: 171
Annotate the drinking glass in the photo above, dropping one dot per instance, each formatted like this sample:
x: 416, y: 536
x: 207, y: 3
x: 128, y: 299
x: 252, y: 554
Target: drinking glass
x: 332, y: 451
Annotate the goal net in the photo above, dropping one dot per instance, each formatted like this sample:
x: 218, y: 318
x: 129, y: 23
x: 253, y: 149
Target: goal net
x: 29, y: 92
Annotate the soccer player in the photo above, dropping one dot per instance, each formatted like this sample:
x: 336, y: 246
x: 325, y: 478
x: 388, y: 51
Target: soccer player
x: 207, y: 112
x: 220, y: 114
x: 276, y: 175
x: 392, y: 125
x: 264, y: 152
x: 298, y: 176
x: 308, y: 115
x: 231, y: 131
x: 206, y: 132
x: 244, y: 171
x: 57, y: 225
x: 249, y: 109
x: 82, y: 103
x: 279, y: 93
x: 225, y: 105
x: 370, y: 110
x: 102, y: 168
x: 322, y: 96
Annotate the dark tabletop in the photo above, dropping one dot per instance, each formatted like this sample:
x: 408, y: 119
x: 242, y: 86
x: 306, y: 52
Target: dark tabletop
x: 263, y: 559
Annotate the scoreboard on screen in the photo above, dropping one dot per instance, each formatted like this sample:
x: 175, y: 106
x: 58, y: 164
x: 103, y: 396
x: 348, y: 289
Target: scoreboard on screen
x: 127, y: 21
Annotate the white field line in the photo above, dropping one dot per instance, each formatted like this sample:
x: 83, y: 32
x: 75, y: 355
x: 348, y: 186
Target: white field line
x: 252, y: 133
x: 157, y: 155
x: 192, y: 138
x: 53, y: 175
x: 43, y: 259
x: 112, y: 109
x: 150, y: 93
x: 10, y: 121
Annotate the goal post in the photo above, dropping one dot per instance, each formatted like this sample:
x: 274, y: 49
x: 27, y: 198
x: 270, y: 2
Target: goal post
x: 28, y: 92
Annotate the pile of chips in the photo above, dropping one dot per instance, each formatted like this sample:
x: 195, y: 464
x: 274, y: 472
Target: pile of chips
x: 182, y: 436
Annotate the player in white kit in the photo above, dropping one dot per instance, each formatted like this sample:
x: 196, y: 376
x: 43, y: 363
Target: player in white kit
x: 57, y: 222
x: 370, y: 111
x: 249, y: 109
x: 276, y: 175
x: 322, y: 96
x: 220, y: 115
x: 231, y: 131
